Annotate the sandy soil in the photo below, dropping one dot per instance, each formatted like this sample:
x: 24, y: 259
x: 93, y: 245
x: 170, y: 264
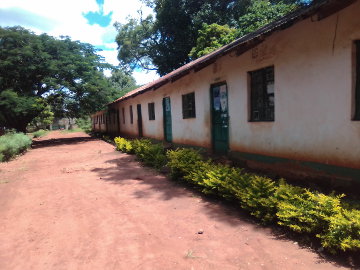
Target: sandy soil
x: 72, y: 202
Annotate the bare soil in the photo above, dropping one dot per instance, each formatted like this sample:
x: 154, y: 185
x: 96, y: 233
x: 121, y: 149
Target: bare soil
x: 72, y: 202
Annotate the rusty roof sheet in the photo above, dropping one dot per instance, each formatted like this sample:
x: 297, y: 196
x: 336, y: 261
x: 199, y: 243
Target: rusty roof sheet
x: 323, y: 8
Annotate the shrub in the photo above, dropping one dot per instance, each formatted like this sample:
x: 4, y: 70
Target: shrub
x: 124, y: 145
x: 12, y: 144
x: 40, y: 133
x: 343, y: 232
x: 183, y: 161
x: 257, y: 195
x: 306, y: 211
x: 151, y: 154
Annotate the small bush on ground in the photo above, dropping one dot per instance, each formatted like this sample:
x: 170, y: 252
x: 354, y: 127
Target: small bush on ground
x: 40, y: 133
x: 12, y: 144
x: 299, y: 209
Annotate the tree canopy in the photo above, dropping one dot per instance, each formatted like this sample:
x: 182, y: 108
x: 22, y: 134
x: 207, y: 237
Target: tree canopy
x: 40, y: 70
x: 180, y: 30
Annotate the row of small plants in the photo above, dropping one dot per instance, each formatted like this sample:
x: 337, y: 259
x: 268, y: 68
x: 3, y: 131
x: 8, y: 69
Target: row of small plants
x: 327, y: 217
x: 12, y: 144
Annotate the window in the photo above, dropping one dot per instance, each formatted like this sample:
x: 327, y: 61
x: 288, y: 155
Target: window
x: 357, y: 81
x: 262, y: 95
x: 151, y: 109
x: 123, y: 115
x: 131, y: 115
x: 188, y: 105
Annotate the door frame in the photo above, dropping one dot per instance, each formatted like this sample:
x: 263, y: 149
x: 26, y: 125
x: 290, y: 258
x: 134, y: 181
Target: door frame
x: 164, y: 119
x: 139, y: 120
x: 211, y: 115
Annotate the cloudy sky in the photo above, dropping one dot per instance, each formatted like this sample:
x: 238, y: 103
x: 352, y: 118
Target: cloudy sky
x: 89, y: 21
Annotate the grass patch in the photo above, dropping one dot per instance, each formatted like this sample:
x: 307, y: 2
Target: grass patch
x: 40, y: 133
x: 12, y: 144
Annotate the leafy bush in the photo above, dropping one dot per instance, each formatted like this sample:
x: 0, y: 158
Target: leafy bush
x: 12, y: 144
x: 257, y: 195
x: 151, y: 154
x: 40, y: 133
x: 335, y: 223
x: 124, y: 145
x: 182, y: 162
x: 343, y: 232
x: 307, y: 211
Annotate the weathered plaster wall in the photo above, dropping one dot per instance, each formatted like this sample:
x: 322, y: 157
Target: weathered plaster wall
x: 314, y: 96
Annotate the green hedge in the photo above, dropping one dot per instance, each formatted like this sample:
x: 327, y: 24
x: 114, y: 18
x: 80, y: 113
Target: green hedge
x: 12, y: 144
x: 336, y: 224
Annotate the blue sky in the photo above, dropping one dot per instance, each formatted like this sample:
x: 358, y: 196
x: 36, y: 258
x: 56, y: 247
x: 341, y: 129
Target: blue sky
x: 89, y: 21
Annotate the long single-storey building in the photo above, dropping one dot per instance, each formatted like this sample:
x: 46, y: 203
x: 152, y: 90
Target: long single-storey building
x: 285, y: 98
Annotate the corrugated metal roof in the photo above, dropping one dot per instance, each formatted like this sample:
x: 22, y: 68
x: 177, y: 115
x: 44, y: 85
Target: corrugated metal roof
x: 323, y: 8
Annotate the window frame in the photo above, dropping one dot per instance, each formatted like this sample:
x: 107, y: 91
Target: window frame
x: 151, y: 111
x: 131, y: 115
x: 188, y: 105
x: 265, y: 111
x: 123, y: 115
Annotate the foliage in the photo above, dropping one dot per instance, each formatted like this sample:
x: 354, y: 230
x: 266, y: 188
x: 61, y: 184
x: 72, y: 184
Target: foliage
x: 40, y: 133
x: 324, y: 216
x: 11, y: 144
x: 260, y: 13
x: 307, y: 211
x: 122, y: 82
x: 151, y: 154
x: 182, y: 161
x: 84, y: 123
x: 343, y: 232
x: 124, y: 145
x: 44, y: 119
x: 212, y: 37
x: 40, y: 70
x: 165, y: 41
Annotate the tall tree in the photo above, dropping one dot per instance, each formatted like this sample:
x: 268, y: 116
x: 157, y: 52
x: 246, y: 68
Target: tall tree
x: 164, y: 42
x: 37, y: 70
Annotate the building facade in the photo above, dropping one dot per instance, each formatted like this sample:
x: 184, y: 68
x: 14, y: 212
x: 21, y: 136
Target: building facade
x: 285, y: 98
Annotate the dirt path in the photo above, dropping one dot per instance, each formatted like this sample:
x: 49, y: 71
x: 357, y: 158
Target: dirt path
x: 74, y: 203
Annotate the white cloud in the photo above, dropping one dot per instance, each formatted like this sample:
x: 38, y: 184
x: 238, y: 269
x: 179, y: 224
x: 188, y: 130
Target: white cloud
x: 66, y: 18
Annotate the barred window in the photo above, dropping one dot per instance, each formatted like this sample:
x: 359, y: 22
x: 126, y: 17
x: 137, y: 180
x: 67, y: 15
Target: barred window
x: 188, y: 105
x: 262, y: 95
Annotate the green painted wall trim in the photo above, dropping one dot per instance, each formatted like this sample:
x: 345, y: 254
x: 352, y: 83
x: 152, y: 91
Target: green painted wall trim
x: 330, y: 170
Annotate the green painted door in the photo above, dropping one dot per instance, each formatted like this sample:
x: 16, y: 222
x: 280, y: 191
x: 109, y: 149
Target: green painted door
x: 167, y: 119
x: 220, y: 118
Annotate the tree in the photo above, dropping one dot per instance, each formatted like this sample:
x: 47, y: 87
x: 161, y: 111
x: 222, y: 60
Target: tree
x: 258, y: 14
x: 45, y: 118
x: 262, y: 12
x: 212, y: 37
x: 165, y: 42
x: 122, y: 82
x: 63, y: 73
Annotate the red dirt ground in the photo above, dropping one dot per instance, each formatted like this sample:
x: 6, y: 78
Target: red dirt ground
x: 73, y: 202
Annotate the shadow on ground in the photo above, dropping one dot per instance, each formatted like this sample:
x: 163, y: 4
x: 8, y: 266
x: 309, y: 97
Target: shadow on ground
x: 61, y: 141
x: 127, y: 170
